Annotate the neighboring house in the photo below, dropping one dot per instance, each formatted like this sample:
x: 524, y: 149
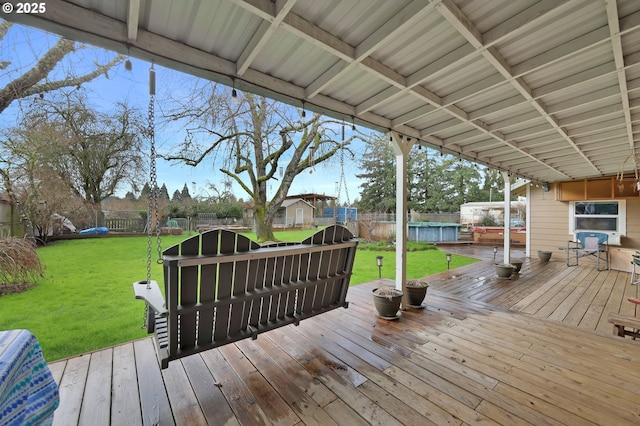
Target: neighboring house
x: 586, y: 205
x: 319, y: 201
x: 294, y: 212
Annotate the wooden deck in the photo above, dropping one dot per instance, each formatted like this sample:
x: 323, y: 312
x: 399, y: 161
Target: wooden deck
x: 532, y: 350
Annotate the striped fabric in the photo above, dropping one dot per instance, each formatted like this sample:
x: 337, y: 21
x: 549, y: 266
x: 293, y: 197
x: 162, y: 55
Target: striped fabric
x: 28, y: 392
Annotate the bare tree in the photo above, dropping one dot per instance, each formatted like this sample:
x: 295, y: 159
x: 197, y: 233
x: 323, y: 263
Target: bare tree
x: 255, y: 142
x: 94, y: 153
x: 33, y: 185
x: 22, y: 83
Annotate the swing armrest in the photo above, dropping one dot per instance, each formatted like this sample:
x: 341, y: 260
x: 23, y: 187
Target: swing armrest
x: 152, y: 295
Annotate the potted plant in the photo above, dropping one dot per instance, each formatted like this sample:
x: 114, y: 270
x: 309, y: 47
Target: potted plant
x: 504, y: 270
x: 387, y: 301
x: 416, y: 292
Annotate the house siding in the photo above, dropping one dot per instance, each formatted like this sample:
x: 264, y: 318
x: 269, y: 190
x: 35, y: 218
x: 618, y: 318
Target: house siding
x: 549, y: 227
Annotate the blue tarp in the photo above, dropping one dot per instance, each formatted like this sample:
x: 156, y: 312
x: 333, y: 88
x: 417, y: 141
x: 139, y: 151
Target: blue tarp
x: 95, y: 231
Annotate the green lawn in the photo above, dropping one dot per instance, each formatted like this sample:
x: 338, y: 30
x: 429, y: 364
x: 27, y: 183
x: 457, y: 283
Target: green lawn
x: 85, y: 302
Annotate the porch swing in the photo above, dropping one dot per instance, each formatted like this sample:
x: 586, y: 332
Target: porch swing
x: 221, y: 287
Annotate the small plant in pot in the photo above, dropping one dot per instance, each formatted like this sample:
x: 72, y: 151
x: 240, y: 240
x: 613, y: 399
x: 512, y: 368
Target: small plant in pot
x: 416, y: 292
x: 387, y: 301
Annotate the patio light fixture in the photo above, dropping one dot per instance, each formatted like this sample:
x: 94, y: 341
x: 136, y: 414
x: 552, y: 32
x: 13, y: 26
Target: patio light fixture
x: 379, y: 263
x: 234, y: 94
x: 448, y: 256
x: 304, y: 113
x: 495, y: 251
x: 127, y: 64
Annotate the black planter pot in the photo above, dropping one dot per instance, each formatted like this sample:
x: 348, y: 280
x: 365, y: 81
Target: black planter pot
x: 387, y: 305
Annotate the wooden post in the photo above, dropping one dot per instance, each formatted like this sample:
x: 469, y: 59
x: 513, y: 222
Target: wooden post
x: 401, y: 147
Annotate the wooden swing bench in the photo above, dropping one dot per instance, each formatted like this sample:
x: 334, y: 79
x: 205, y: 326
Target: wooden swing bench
x: 221, y: 287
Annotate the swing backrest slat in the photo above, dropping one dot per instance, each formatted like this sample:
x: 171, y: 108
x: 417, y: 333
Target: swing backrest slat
x: 221, y: 287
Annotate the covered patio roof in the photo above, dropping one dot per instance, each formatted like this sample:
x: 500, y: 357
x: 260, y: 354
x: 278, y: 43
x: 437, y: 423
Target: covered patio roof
x: 547, y: 90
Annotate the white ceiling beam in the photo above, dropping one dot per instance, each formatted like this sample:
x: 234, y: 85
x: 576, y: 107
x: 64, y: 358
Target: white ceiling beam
x: 448, y: 124
x: 412, y: 115
x: 465, y: 27
x: 526, y: 20
x: 618, y: 55
x: 442, y: 65
x: 515, y: 121
x: 597, y: 127
x: 571, y: 48
x: 132, y: 19
x: 377, y: 99
x: 606, y: 135
x: 263, y: 34
x: 496, y: 107
x: 629, y: 23
x: 405, y: 18
x: 582, y: 78
x: 582, y: 100
x: 473, y: 135
x: 326, y: 78
x: 598, y: 114
x: 409, y: 16
x: 474, y: 89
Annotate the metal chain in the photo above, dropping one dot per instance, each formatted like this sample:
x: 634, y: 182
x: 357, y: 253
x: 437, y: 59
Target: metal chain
x: 152, y: 208
x: 343, y: 178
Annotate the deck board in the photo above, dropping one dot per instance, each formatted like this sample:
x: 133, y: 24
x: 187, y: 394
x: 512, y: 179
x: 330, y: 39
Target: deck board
x: 535, y: 349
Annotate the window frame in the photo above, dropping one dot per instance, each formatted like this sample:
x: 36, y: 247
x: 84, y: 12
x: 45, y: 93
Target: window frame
x: 621, y: 222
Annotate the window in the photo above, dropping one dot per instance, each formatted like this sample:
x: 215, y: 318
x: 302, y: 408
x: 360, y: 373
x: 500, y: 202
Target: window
x: 599, y: 216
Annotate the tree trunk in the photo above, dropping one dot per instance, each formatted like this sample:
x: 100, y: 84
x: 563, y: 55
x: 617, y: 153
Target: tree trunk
x: 264, y: 225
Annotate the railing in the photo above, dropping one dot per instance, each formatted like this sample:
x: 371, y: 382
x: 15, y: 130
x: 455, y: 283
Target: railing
x: 125, y: 225
x: 413, y: 217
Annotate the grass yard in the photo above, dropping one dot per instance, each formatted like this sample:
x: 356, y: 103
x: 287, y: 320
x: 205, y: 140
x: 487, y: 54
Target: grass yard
x: 85, y: 302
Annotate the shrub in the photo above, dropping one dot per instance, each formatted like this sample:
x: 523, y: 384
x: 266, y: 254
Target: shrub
x: 20, y: 266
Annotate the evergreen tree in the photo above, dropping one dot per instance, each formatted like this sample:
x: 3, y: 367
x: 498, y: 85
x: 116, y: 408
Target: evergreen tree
x: 185, y: 193
x: 378, y: 193
x: 177, y: 196
x: 146, y: 190
x: 164, y: 193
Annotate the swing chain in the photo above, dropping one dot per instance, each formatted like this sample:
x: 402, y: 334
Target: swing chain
x: 343, y: 178
x: 152, y: 208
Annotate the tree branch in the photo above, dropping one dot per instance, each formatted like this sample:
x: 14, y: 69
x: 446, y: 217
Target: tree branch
x: 27, y: 83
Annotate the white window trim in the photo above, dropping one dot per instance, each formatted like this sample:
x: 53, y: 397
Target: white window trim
x: 614, y: 236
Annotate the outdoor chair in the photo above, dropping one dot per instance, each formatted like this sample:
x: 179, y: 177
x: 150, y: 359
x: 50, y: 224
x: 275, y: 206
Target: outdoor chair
x: 589, y: 244
x: 635, y: 262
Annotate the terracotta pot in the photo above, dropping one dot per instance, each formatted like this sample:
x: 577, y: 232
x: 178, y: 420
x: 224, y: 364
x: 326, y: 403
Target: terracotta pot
x: 387, y: 303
